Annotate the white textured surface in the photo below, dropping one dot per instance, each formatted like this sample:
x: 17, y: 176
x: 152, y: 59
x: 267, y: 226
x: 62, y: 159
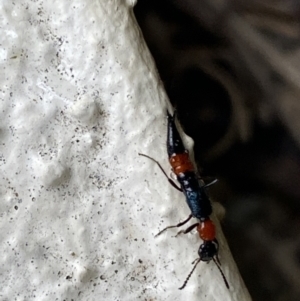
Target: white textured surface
x: 79, y: 208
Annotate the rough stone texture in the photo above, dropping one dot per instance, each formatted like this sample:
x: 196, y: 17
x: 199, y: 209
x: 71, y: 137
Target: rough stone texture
x: 79, y: 208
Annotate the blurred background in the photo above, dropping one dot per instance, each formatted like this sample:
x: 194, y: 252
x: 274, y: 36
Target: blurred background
x: 231, y: 68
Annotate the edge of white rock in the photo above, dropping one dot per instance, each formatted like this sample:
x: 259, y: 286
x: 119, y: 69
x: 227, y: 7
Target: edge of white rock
x: 80, y: 98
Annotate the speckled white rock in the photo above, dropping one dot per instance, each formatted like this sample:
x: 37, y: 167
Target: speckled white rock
x: 80, y: 97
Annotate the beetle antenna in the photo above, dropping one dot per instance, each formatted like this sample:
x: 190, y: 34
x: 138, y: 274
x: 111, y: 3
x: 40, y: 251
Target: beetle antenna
x: 223, y: 276
x: 190, y: 274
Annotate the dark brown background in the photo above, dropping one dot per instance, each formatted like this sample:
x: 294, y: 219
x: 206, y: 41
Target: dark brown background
x: 231, y: 68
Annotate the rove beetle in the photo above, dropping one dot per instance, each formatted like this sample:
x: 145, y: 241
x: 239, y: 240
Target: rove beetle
x: 196, y: 198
